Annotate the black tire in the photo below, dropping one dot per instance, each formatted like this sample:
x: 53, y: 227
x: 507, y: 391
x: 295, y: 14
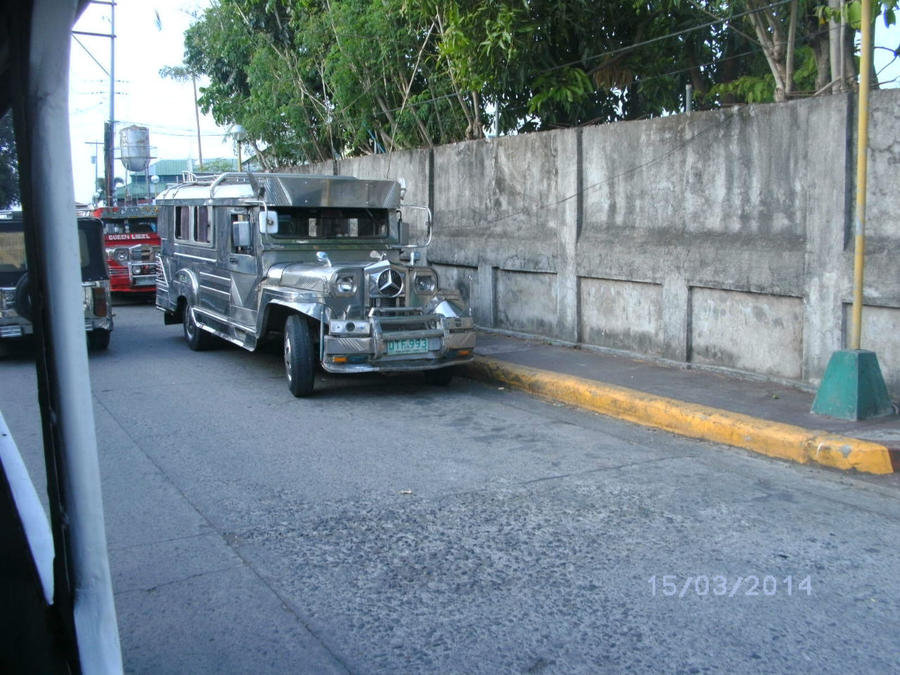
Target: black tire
x: 299, y: 357
x: 23, y: 297
x: 98, y: 339
x: 197, y: 338
x: 440, y: 377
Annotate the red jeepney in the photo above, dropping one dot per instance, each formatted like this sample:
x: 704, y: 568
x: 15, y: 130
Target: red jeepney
x: 131, y: 241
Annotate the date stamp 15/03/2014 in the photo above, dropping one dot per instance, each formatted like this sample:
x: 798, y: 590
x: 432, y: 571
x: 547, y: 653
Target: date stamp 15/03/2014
x: 721, y: 586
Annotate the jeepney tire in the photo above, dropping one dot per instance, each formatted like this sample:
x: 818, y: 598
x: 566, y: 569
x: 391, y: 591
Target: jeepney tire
x: 299, y: 357
x: 22, y: 295
x: 440, y: 376
x: 98, y: 339
x: 197, y: 338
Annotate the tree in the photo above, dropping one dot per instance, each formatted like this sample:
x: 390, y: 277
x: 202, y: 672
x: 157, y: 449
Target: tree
x: 182, y: 74
x: 311, y: 80
x: 9, y: 163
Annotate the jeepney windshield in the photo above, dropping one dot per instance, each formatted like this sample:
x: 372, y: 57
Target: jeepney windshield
x: 331, y: 223
x: 129, y: 226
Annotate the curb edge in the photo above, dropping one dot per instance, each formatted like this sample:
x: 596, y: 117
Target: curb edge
x: 773, y: 439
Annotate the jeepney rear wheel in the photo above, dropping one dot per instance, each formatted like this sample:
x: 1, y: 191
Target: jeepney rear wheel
x: 197, y: 338
x: 98, y: 339
x: 299, y: 358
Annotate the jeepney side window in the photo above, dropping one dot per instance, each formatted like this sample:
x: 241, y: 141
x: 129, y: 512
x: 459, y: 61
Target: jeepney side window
x: 182, y: 222
x: 202, y: 230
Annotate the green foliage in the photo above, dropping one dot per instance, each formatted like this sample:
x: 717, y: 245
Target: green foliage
x: 852, y: 12
x: 761, y: 88
x: 313, y: 79
x: 9, y: 163
x: 216, y: 166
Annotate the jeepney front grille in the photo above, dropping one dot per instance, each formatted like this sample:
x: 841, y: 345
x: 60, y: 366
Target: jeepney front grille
x: 387, y: 288
x: 396, y: 322
x: 144, y: 252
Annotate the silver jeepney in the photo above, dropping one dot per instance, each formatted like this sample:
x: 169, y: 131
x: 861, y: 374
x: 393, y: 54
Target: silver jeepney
x: 324, y: 262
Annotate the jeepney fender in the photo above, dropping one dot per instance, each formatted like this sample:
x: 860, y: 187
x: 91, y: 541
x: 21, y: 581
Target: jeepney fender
x: 314, y: 310
x: 185, y: 285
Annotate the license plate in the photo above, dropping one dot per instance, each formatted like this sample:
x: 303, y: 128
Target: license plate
x: 412, y: 346
x: 144, y: 281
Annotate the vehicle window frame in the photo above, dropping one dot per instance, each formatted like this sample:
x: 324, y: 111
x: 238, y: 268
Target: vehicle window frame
x: 193, y: 224
x: 319, y: 217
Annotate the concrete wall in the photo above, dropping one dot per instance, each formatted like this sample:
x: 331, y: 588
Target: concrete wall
x: 721, y: 238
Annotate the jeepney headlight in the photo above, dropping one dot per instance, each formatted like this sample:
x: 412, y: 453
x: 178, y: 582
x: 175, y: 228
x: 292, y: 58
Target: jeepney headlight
x: 345, y: 284
x: 121, y: 255
x: 8, y: 298
x: 357, y: 327
x: 425, y: 283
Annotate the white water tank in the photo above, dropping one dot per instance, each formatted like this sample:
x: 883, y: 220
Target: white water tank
x: 134, y: 144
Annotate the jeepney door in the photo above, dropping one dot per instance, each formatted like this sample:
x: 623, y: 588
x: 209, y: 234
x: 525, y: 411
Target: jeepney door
x: 242, y: 262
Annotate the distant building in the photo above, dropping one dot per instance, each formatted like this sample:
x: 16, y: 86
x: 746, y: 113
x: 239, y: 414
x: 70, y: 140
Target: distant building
x: 166, y: 172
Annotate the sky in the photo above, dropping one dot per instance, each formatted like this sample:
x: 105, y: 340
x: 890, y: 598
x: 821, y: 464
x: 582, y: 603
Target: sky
x: 143, y: 45
x: 166, y: 107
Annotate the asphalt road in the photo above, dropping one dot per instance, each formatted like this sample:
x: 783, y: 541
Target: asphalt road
x: 387, y: 526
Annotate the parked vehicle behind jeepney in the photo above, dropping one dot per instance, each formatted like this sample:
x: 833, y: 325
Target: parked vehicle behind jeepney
x: 324, y: 262
x: 15, y: 299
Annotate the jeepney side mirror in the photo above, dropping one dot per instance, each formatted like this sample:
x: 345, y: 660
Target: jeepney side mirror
x: 268, y: 222
x: 240, y: 234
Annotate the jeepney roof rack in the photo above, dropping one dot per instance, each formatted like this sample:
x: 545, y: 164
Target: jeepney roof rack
x: 191, y: 178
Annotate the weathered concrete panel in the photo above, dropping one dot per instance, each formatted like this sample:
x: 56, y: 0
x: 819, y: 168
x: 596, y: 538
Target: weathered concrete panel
x: 749, y: 331
x: 526, y: 302
x: 882, y: 280
x: 505, y: 201
x: 880, y: 331
x: 622, y: 315
x: 829, y: 171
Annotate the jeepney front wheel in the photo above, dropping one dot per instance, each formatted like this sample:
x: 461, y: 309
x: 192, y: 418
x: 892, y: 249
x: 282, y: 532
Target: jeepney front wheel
x: 440, y: 376
x: 197, y: 338
x: 299, y: 357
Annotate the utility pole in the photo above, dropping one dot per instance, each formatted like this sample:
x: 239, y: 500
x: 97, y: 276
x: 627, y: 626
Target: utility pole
x: 109, y: 129
x: 853, y: 387
x: 96, y: 144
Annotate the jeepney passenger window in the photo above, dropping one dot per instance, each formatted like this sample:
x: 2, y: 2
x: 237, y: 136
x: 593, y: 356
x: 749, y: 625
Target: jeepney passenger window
x: 202, y: 231
x: 182, y: 221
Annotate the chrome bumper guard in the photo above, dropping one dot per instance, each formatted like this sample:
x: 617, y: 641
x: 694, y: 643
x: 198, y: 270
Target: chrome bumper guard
x: 445, y: 337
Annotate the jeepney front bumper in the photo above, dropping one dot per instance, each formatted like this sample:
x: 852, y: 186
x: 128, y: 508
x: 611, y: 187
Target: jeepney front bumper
x: 133, y: 268
x: 397, y: 339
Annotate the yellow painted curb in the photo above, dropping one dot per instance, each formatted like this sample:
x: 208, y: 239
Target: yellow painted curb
x: 774, y: 439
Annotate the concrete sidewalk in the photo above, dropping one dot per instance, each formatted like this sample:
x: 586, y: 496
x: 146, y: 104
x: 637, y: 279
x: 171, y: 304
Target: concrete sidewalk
x: 764, y: 417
